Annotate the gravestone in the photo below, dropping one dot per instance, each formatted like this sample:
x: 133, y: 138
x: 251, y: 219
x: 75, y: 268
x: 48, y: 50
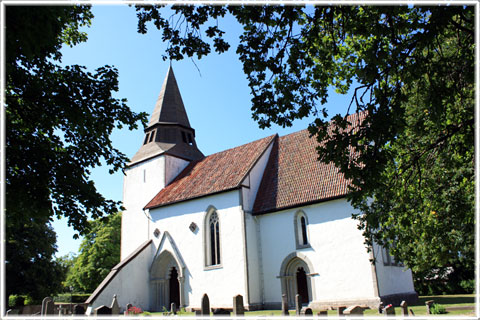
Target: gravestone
x: 78, y: 309
x: 205, y: 305
x: 298, y: 304
x: 380, y: 307
x: 340, y: 310
x: 12, y: 312
x: 47, y: 306
x: 173, y: 308
x: 62, y: 311
x: 354, y: 310
x: 221, y: 312
x: 389, y: 310
x: 102, y: 310
x: 404, y: 307
x: 284, y: 305
x: 128, y: 306
x: 306, y: 312
x: 322, y: 313
x: 238, y: 309
x: 429, y: 305
x: 115, y: 308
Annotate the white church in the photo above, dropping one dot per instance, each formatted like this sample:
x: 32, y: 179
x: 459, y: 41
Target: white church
x: 260, y: 220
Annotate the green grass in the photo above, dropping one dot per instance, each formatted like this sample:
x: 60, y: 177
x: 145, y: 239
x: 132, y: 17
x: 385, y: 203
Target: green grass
x: 448, y: 301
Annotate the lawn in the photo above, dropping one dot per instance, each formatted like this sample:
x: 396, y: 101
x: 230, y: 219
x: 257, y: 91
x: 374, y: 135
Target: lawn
x: 448, y: 301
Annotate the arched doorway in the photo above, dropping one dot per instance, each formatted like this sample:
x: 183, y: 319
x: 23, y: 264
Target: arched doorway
x: 174, y: 288
x: 302, y: 285
x: 165, y: 284
x: 295, y: 275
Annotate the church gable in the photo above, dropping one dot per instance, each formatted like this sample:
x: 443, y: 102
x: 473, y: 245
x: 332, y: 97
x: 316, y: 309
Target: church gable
x: 294, y: 176
x: 216, y: 173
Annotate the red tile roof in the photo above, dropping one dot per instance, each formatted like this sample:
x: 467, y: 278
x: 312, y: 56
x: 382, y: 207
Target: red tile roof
x: 294, y: 176
x: 216, y: 173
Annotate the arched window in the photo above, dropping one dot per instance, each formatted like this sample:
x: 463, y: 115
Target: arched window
x: 212, y: 238
x: 301, y: 230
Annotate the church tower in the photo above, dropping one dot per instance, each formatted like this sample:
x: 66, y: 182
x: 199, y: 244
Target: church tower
x: 167, y: 148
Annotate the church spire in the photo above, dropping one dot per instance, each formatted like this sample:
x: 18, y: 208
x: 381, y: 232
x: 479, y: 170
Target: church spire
x: 169, y: 107
x: 168, y: 131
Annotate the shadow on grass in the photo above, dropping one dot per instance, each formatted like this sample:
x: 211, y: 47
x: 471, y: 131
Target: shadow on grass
x: 454, y: 299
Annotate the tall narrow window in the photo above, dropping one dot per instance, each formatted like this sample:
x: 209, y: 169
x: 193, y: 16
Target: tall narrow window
x: 301, y: 230
x: 213, y: 240
x: 304, y: 230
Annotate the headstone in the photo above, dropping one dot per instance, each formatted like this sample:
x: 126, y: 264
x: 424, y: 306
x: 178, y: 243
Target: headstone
x: 380, y: 308
x: 173, y: 308
x: 404, y: 307
x: 389, y: 310
x: 429, y: 305
x: 284, y: 305
x: 220, y: 311
x: 102, y: 310
x: 322, y: 313
x: 128, y: 306
x: 47, y: 306
x: 354, y: 310
x: 205, y: 305
x: 298, y: 304
x: 61, y: 311
x: 238, y: 309
x: 340, y: 311
x: 12, y: 312
x: 78, y: 309
x: 114, y: 306
x: 306, y: 312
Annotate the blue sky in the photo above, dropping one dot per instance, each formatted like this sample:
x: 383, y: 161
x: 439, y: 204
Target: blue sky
x: 216, y: 97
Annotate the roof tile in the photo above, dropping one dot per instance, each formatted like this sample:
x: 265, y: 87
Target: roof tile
x: 218, y: 172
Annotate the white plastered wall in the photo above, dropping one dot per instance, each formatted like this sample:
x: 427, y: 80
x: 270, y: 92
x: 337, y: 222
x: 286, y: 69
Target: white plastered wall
x: 337, y: 252
x: 142, y: 182
x: 220, y: 284
x: 173, y: 166
x: 249, y: 194
x: 130, y: 284
x: 392, y: 279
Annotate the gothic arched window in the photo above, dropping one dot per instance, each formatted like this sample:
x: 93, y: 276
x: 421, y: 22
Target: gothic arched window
x: 212, y: 237
x: 301, y: 230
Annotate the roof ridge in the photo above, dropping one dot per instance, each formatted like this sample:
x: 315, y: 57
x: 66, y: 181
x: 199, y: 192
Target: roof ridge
x: 273, y: 138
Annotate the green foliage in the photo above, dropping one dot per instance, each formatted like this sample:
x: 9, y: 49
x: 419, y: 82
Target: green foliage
x: 99, y: 253
x: 58, y: 122
x: 468, y: 285
x: 411, y: 70
x: 438, y: 309
x: 30, y: 246
x: 75, y: 297
x: 29, y: 301
x: 15, y: 300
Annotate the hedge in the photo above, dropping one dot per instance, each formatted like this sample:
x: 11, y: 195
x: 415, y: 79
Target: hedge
x: 76, y: 297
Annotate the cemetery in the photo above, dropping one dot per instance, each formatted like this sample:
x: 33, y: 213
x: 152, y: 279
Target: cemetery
x: 48, y: 308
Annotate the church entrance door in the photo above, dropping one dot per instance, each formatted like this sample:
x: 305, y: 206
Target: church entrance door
x: 174, y: 287
x: 302, y: 286
x: 165, y: 284
x: 295, y: 276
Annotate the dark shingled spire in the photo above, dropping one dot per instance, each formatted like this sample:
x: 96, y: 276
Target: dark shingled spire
x: 168, y: 131
x: 169, y: 107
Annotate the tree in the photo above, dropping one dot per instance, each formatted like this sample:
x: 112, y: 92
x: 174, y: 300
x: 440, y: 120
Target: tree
x: 29, y: 265
x: 411, y: 73
x: 58, y: 125
x: 98, y: 254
